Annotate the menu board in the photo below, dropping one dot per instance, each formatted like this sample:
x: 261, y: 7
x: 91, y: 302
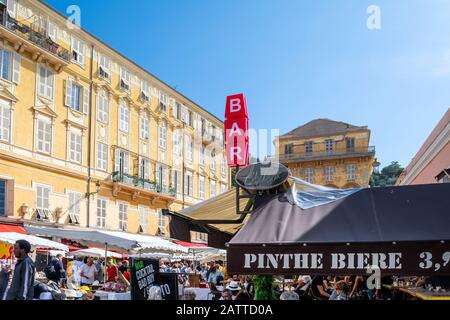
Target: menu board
x: 168, y: 282
x: 144, y: 274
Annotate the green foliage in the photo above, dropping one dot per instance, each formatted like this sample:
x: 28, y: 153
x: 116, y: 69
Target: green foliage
x: 387, y: 177
x: 264, y: 288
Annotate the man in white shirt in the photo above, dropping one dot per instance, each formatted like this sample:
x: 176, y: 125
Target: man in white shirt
x: 88, y: 273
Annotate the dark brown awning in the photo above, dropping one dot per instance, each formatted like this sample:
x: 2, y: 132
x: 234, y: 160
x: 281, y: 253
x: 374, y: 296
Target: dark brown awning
x: 415, y: 218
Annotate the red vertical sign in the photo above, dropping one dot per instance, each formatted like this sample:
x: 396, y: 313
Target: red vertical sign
x: 236, y: 131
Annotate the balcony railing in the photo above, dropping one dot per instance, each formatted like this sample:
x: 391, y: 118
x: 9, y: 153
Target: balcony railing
x: 335, y: 153
x: 144, y: 184
x: 37, y: 38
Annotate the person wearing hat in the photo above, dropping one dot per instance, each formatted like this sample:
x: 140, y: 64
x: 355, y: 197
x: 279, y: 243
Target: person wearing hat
x: 235, y: 288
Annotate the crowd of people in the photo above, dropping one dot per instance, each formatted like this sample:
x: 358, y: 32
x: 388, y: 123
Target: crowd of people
x: 87, y: 272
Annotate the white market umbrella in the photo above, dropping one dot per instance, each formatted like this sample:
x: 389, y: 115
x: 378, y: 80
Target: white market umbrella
x: 36, y: 242
x: 146, y: 243
x: 95, y: 252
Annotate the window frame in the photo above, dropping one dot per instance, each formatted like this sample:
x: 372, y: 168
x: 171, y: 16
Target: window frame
x: 47, y: 123
x: 123, y: 216
x: 99, y: 159
x: 75, y: 147
x: 124, y: 124
x: 103, y: 212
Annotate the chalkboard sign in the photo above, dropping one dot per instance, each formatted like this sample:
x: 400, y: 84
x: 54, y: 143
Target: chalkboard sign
x: 144, y: 275
x: 168, y: 282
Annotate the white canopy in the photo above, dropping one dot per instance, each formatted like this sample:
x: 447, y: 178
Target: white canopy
x: 94, y: 252
x: 148, y: 243
x: 121, y: 241
x: 36, y: 242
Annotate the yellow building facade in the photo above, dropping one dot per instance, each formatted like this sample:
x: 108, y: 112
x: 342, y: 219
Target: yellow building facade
x: 328, y: 153
x: 90, y: 139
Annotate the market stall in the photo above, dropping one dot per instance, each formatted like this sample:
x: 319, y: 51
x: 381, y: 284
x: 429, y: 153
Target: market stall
x: 402, y: 230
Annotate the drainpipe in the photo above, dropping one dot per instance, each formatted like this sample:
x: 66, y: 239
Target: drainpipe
x: 91, y: 92
x: 183, y: 143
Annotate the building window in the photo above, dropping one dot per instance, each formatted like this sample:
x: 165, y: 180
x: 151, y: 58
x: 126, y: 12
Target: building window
x: 77, y: 96
x: 2, y: 198
x: 9, y: 66
x: 42, y: 197
x: 212, y: 189
x: 74, y: 207
x: 213, y: 160
x: 124, y: 120
x: 202, y: 155
x: 122, y: 162
x: 188, y: 184
x: 78, y: 51
x: 123, y: 216
x: 329, y: 146
x: 162, y: 102
x: 224, y: 167
x: 46, y: 82
x: 75, y: 146
x: 351, y: 172
x: 308, y: 147
x: 143, y: 218
x: 329, y: 172
x: 223, y: 188
x: 144, y: 129
x: 288, y: 148
x: 176, y: 181
x: 125, y: 79
x: 176, y: 110
x: 101, y: 213
x: 44, y: 136
x: 104, y: 69
x: 350, y: 144
x: 102, y: 156
x: 5, y: 122
x: 176, y: 144
x: 145, y: 91
x: 189, y: 148
x: 201, y: 188
x: 162, y: 136
x: 102, y: 108
x: 309, y: 175
x: 144, y: 168
x: 162, y: 177
x: 5, y: 64
x: 161, y: 220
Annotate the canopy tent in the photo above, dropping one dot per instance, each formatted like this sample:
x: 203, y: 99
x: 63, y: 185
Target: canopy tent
x: 221, y: 207
x: 36, y: 242
x: 403, y: 230
x: 12, y: 228
x: 86, y: 237
x: 95, y: 252
x: 119, y: 241
x: 148, y: 243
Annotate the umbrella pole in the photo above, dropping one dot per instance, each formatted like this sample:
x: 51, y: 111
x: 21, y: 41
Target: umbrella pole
x: 105, y: 273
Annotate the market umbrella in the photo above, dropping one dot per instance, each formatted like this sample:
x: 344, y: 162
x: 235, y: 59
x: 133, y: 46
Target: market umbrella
x: 36, y: 242
x: 95, y: 252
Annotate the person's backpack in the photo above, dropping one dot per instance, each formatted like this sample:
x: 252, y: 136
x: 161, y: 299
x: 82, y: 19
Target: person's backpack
x: 50, y: 272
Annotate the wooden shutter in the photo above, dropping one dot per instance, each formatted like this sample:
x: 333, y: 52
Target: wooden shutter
x: 86, y: 92
x: 16, y: 68
x: 68, y: 98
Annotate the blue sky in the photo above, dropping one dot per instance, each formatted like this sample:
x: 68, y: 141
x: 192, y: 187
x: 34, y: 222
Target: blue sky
x: 295, y: 60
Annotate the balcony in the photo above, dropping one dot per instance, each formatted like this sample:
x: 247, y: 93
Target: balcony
x: 207, y: 137
x: 142, y: 184
x: 40, y: 45
x: 323, y: 155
